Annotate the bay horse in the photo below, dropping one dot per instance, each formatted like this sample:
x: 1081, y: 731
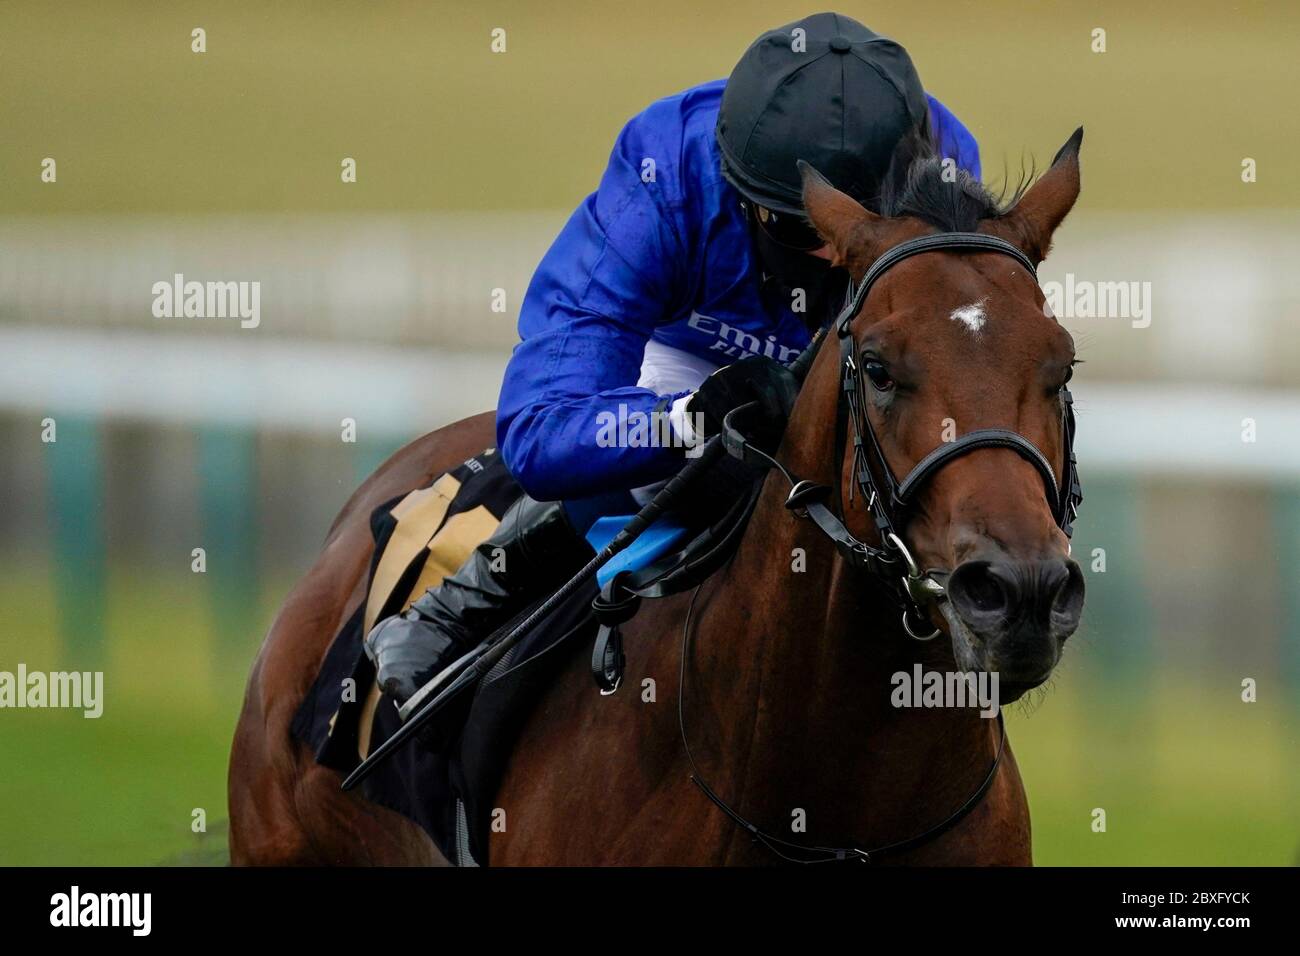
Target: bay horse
x: 772, y: 680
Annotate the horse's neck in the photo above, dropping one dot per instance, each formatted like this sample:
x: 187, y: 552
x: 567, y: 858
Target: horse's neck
x: 792, y: 663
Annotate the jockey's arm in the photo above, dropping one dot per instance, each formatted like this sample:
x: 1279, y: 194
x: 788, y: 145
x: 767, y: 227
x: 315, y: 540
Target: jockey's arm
x: 615, y: 272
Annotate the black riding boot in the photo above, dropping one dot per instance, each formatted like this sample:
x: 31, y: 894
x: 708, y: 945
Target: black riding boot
x: 533, y: 550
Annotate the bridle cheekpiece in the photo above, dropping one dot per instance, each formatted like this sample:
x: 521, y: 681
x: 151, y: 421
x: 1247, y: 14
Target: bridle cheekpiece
x: 889, y: 500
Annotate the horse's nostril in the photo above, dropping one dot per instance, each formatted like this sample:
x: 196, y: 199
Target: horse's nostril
x: 993, y: 596
x: 1067, y: 601
x: 985, y: 593
x: 976, y: 588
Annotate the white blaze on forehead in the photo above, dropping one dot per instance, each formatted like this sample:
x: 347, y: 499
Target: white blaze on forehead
x: 972, y: 316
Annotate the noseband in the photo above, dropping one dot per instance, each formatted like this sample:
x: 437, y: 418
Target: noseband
x: 890, y: 501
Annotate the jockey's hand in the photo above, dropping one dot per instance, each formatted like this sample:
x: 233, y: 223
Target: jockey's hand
x: 753, y: 378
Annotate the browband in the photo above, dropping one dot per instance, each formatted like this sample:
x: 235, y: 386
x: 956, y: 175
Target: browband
x: 946, y: 241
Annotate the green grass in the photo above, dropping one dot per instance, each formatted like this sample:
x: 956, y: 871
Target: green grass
x: 121, y: 789
x: 1185, y: 772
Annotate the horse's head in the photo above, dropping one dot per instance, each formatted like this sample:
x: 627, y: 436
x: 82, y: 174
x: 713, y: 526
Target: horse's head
x: 950, y: 342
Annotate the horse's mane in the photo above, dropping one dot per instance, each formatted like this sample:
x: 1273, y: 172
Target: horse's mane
x: 917, y: 184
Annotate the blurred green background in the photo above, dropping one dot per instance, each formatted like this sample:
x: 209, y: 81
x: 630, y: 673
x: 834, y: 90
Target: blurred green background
x: 376, y: 307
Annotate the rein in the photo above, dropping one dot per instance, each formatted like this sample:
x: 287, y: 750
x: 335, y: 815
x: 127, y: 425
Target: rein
x: 792, y: 852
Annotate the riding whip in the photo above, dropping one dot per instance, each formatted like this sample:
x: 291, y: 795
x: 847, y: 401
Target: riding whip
x: 712, y: 450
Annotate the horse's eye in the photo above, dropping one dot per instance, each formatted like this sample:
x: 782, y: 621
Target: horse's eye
x: 878, y: 374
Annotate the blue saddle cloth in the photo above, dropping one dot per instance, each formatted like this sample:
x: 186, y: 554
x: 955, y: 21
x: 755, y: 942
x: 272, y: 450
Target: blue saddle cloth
x: 654, y: 543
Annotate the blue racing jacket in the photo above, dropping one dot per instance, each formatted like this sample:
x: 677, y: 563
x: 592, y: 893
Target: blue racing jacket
x: 659, y: 251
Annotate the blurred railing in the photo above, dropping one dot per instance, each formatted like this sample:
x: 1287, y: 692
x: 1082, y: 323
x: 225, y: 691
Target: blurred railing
x: 424, y: 280
x: 1225, y: 297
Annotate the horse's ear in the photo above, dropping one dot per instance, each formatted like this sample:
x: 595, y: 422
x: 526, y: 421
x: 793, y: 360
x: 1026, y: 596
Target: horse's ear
x: 848, y: 226
x: 1046, y: 203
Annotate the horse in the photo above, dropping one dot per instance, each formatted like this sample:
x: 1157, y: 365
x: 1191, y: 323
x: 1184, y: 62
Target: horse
x: 757, y: 722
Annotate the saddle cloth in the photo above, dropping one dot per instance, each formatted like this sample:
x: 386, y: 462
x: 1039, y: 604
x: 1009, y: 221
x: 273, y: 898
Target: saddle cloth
x: 420, y: 538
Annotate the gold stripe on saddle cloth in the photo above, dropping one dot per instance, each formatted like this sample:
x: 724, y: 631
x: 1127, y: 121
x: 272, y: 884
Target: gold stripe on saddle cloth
x: 445, y: 544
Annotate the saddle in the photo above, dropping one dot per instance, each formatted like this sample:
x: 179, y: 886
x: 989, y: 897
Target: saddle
x: 425, y: 535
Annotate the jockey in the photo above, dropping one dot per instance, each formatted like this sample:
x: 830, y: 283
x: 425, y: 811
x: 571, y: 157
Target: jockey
x: 692, y: 254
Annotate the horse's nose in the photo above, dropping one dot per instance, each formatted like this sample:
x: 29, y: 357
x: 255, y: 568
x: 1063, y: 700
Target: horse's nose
x: 996, y: 597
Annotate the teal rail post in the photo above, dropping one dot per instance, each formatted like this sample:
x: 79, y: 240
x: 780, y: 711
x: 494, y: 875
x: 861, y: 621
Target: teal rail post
x: 228, y: 496
x: 76, y: 501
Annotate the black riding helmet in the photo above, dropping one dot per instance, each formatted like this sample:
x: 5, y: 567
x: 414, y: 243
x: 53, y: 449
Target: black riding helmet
x: 829, y: 91
x: 824, y: 89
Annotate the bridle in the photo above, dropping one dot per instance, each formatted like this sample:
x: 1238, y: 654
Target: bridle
x: 889, y: 500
